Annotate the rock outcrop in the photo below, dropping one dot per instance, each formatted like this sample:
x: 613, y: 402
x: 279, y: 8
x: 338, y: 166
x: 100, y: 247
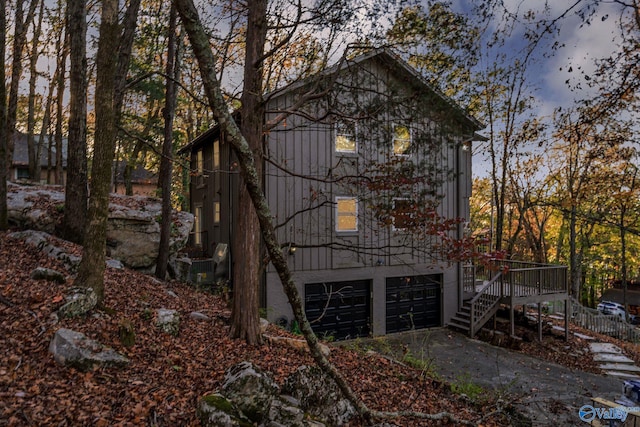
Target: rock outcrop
x: 74, y: 349
x: 250, y: 397
x: 133, y: 228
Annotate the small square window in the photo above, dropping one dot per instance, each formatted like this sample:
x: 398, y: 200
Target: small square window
x: 404, y: 214
x: 345, y: 133
x: 401, y: 140
x: 346, y: 214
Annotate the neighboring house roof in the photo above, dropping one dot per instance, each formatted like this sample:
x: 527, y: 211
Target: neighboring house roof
x: 139, y: 175
x: 384, y: 55
x: 21, y: 151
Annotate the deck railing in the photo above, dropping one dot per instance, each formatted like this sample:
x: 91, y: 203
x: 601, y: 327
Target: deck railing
x: 607, y: 324
x: 510, y: 279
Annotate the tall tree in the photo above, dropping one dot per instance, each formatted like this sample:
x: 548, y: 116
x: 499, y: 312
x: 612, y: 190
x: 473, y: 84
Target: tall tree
x: 245, y: 321
x: 32, y: 149
x: 21, y: 26
x: 76, y: 191
x: 92, y: 266
x: 111, y: 70
x: 3, y: 120
x: 166, y: 161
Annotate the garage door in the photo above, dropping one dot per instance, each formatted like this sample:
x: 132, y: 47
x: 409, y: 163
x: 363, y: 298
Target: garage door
x: 413, y: 302
x: 340, y: 310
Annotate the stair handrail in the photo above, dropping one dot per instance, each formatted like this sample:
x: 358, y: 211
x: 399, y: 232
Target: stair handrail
x: 483, y: 302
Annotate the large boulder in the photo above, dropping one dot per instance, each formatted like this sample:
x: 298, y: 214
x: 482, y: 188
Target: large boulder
x: 71, y: 348
x: 133, y: 227
x: 319, y: 395
x: 250, y: 389
x: 249, y: 397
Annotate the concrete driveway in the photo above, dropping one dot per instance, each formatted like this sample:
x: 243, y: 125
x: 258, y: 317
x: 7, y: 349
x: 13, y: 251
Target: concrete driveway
x: 547, y: 393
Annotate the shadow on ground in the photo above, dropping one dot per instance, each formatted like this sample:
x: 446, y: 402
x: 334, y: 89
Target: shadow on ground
x: 546, y: 394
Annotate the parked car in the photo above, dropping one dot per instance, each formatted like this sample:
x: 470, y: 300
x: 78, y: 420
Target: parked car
x: 610, y: 307
x: 631, y: 389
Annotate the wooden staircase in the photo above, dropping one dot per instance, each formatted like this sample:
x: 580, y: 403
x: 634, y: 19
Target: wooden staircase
x: 462, y: 319
x: 506, y: 282
x: 476, y: 311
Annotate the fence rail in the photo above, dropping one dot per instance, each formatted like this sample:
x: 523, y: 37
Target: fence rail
x: 595, y: 321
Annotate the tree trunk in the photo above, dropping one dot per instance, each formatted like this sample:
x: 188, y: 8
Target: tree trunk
x: 76, y: 192
x: 574, y: 272
x: 92, y: 266
x: 21, y: 25
x: 46, y: 122
x: 166, y: 161
x: 60, y: 84
x: 34, y: 159
x: 245, y: 319
x: 3, y: 120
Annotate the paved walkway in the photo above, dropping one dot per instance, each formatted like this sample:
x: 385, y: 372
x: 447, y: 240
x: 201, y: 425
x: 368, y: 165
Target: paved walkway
x: 547, y: 393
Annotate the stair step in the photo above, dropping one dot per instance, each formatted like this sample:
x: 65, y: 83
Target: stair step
x: 459, y: 327
x: 460, y: 320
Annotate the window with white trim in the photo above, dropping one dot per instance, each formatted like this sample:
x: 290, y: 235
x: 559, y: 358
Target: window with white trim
x: 403, y: 214
x: 345, y: 136
x: 346, y: 214
x: 401, y: 140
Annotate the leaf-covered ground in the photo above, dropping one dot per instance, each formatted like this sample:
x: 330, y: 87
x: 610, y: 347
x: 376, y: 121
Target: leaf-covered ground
x: 167, y: 374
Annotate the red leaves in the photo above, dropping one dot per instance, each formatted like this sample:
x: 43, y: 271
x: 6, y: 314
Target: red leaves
x: 167, y: 374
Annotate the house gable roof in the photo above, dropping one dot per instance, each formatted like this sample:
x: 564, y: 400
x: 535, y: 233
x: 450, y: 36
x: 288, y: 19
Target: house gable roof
x: 386, y: 57
x: 393, y: 61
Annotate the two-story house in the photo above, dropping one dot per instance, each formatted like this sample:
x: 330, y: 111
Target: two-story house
x: 366, y: 168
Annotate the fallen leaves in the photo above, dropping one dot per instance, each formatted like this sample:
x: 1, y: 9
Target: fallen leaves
x: 167, y: 374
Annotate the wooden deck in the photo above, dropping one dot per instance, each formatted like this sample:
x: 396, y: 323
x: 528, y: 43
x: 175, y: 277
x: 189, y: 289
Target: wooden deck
x: 511, y: 283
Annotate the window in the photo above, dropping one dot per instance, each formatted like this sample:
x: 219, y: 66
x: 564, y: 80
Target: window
x: 401, y: 140
x: 346, y: 214
x: 404, y: 215
x: 200, y: 162
x: 22, y: 173
x: 216, y: 154
x: 216, y: 212
x: 345, y: 133
x: 197, y: 226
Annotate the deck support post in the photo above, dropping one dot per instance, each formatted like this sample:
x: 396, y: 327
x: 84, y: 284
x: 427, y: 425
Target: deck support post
x: 512, y: 317
x: 567, y: 313
x: 539, y: 321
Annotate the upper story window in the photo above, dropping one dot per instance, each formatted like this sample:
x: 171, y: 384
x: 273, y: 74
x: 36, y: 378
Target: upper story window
x: 200, y: 162
x: 404, y: 214
x: 346, y: 214
x: 345, y: 136
x: 216, y: 154
x: 401, y: 140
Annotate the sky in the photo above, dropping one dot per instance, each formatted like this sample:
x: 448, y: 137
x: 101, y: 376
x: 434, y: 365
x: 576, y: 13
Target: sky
x: 556, y: 77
